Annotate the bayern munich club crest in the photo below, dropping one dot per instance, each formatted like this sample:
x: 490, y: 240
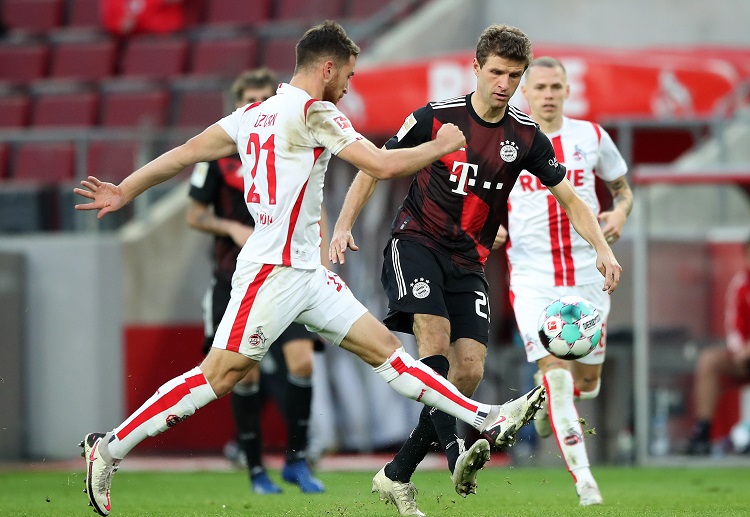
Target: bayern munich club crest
x: 420, y: 288
x: 509, y: 151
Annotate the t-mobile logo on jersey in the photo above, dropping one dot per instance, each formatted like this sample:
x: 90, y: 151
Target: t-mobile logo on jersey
x: 463, y: 177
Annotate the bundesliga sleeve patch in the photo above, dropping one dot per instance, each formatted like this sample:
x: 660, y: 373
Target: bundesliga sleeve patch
x: 198, y: 177
x: 409, y: 123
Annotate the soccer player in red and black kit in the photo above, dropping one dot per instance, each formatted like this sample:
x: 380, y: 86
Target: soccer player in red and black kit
x: 219, y: 184
x: 433, y: 271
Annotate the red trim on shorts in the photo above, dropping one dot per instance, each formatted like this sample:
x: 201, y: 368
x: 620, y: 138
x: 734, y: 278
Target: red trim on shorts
x: 431, y: 382
x: 166, y: 401
x: 240, y: 322
x: 286, y: 255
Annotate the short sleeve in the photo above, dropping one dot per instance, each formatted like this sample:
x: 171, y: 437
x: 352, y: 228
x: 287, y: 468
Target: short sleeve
x: 611, y: 164
x: 542, y: 163
x: 231, y: 123
x: 331, y: 128
x: 416, y: 130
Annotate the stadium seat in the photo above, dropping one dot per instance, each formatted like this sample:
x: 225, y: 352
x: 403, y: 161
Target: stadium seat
x: 111, y: 160
x: 23, y: 62
x: 225, y: 57
x: 83, y: 60
x: 33, y: 15
x: 131, y: 103
x: 197, y: 105
x: 279, y: 55
x: 63, y: 104
x: 14, y: 110
x: 3, y: 161
x: 156, y: 57
x: 309, y: 11
x: 44, y: 162
x: 226, y: 12
x: 84, y: 13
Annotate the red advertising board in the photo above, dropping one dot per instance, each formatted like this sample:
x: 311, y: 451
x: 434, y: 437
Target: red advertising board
x: 642, y: 83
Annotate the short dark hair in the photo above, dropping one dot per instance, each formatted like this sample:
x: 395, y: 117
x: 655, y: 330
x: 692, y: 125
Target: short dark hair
x: 548, y: 62
x: 506, y: 42
x: 256, y: 79
x: 325, y: 40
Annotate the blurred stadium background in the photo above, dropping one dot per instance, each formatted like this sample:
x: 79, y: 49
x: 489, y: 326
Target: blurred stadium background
x: 99, y: 314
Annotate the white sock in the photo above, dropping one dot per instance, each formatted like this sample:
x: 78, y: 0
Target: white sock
x: 563, y: 418
x: 172, y: 403
x: 412, y: 379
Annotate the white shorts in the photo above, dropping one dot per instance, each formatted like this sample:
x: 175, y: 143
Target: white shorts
x: 266, y: 299
x: 529, y: 302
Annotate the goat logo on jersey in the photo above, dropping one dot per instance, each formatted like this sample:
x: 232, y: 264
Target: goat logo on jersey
x: 509, y: 151
x: 258, y: 338
x: 420, y: 288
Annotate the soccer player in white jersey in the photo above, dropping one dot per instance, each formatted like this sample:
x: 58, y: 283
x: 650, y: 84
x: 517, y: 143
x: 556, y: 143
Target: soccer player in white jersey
x: 548, y: 259
x: 285, y: 144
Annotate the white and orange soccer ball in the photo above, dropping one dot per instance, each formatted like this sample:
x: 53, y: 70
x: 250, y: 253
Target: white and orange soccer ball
x: 570, y: 327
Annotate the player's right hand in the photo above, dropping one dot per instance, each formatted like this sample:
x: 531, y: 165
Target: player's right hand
x: 500, y: 238
x: 451, y: 137
x: 340, y: 240
x: 106, y: 197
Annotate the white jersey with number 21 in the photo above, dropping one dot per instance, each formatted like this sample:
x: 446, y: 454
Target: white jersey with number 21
x: 543, y: 248
x: 285, y: 144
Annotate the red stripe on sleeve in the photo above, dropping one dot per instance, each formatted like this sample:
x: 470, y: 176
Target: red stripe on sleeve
x: 598, y: 132
x: 240, y: 322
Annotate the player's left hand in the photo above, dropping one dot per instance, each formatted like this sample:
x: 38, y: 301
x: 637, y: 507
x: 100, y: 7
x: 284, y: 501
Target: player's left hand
x: 340, y: 240
x: 106, y: 197
x: 500, y: 238
x: 608, y: 266
x: 612, y: 223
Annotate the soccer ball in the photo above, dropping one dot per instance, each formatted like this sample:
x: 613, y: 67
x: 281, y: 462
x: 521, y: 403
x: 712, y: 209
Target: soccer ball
x: 570, y: 328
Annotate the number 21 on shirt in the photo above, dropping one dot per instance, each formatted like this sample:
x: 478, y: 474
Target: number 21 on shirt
x: 254, y: 150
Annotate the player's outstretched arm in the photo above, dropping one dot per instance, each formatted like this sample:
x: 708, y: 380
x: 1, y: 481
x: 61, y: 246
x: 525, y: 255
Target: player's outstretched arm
x: 585, y: 223
x: 211, y: 144
x: 393, y: 163
x: 622, y: 203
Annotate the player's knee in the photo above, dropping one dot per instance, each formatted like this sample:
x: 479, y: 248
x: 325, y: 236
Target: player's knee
x: 467, y: 377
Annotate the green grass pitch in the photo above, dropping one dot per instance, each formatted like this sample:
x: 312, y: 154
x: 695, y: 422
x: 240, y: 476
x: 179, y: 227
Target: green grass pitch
x: 502, y: 492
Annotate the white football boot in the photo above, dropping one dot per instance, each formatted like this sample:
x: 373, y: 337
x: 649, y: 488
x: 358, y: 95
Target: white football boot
x: 503, y: 422
x: 470, y: 462
x: 98, y: 473
x: 402, y: 495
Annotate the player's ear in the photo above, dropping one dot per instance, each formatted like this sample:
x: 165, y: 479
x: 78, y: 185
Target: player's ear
x: 327, y: 69
x: 477, y: 67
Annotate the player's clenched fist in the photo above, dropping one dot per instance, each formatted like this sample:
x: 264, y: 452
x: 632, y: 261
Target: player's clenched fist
x: 450, y: 136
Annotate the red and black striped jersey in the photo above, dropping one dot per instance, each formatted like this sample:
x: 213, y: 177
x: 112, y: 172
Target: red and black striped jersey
x: 220, y: 184
x: 456, y: 204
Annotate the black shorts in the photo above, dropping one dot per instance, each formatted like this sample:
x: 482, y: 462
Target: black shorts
x: 219, y: 299
x: 419, y: 280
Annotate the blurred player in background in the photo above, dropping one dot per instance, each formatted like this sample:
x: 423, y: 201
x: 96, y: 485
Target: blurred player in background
x: 730, y: 362
x: 217, y: 206
x: 285, y: 144
x: 433, y: 271
x: 548, y: 259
